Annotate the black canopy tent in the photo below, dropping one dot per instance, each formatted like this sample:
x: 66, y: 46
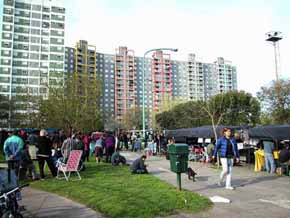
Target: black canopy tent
x: 270, y: 132
x: 197, y: 132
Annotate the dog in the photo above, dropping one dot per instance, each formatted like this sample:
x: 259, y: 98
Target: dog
x: 191, y: 173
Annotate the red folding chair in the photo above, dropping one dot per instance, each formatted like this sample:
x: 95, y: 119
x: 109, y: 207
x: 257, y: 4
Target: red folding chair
x: 71, y: 166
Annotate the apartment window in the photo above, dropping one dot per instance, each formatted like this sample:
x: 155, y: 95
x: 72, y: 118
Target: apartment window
x: 58, y: 10
x: 34, y: 56
x: 45, y: 25
x: 22, y: 5
x: 35, y: 32
x: 8, y: 2
x: 35, y: 23
x: 6, y: 44
x: 8, y: 19
x: 34, y: 64
x: 36, y: 7
x: 34, y: 48
x: 35, y: 39
x: 46, y: 9
x: 33, y: 81
x: 7, y: 27
x: 8, y: 11
x: 7, y: 36
x: 45, y: 17
x: 57, y: 25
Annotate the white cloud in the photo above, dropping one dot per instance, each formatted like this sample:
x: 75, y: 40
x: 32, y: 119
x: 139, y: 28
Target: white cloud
x: 236, y: 34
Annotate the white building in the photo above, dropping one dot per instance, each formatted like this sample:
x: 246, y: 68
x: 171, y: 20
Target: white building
x: 32, y: 46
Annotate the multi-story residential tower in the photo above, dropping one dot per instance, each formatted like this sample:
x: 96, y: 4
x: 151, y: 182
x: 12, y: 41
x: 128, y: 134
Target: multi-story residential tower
x: 226, y: 76
x: 85, y: 58
x: 206, y: 79
x: 161, y: 79
x: 125, y: 88
x: 104, y: 67
x: 179, y: 80
x: 195, y: 79
x: 32, y: 46
x: 165, y: 79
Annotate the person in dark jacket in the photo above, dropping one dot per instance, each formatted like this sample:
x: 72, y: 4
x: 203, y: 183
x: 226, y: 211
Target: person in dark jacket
x: 110, y: 147
x: 138, y: 166
x: 228, y: 150
x: 284, y: 155
x: 44, y: 146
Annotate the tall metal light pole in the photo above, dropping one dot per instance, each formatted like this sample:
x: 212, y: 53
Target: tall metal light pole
x: 143, y: 83
x: 274, y: 37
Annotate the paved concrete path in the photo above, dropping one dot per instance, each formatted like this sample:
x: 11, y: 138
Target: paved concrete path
x: 257, y: 195
x: 40, y: 204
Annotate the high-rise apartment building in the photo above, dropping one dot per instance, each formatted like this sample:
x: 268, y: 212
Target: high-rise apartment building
x: 125, y: 88
x: 161, y: 79
x: 32, y: 46
x: 85, y: 58
x: 165, y: 79
x: 206, y: 79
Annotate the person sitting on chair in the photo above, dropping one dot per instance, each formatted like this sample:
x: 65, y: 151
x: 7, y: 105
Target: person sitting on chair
x: 138, y: 166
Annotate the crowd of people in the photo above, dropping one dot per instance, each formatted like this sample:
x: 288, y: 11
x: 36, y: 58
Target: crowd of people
x: 55, y: 147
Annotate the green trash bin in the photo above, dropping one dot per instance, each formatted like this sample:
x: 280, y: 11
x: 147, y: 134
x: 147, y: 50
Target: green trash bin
x: 178, y: 156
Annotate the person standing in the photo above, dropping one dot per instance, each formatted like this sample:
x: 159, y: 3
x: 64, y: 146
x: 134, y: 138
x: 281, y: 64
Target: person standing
x: 67, y: 146
x: 13, y: 148
x: 44, y: 146
x: 269, y: 158
x: 99, y: 144
x: 125, y: 139
x: 137, y: 144
x: 228, y: 150
x: 110, y: 147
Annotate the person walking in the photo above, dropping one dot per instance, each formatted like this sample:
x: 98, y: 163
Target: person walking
x: 228, y: 150
x: 44, y: 146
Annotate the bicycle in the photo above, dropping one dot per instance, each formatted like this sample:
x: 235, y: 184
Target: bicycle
x: 9, y: 207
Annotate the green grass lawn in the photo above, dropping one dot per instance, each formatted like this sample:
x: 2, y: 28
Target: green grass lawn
x: 115, y: 192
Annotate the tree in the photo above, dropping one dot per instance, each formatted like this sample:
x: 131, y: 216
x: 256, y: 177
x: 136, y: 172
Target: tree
x: 233, y: 109
x: 185, y: 115
x: 276, y: 105
x: 74, y: 105
x: 4, y: 110
x: 168, y: 104
x: 133, y: 119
